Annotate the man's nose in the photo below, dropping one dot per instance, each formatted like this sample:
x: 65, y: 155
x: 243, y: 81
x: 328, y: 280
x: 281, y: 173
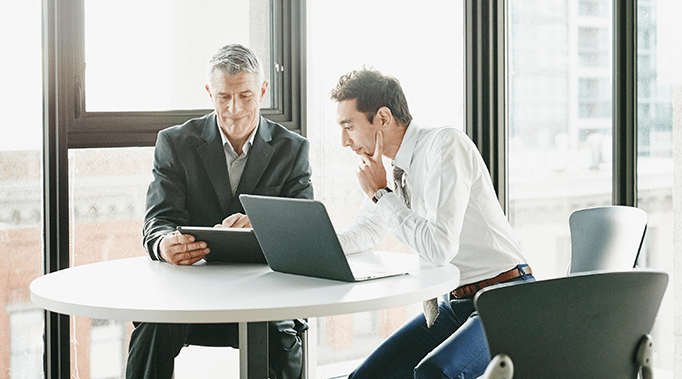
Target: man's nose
x: 345, y: 140
x: 233, y: 106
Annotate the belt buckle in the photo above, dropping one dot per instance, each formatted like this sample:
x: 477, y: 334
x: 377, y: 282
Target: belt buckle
x: 524, y: 269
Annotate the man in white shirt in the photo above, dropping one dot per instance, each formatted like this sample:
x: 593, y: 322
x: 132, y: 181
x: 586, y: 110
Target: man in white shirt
x: 442, y: 205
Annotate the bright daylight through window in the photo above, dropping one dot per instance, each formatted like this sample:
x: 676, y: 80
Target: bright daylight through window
x: 139, y: 63
x: 560, y: 140
x: 21, y: 324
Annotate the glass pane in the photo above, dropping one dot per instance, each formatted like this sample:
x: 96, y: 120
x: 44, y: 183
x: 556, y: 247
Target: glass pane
x: 154, y: 58
x: 107, y: 204
x: 422, y: 46
x: 593, y: 46
x: 594, y: 7
x: 560, y: 122
x: 21, y: 247
x: 655, y: 66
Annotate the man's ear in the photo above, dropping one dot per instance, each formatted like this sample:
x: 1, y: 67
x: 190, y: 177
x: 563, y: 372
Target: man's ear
x: 384, y: 117
x: 263, y: 88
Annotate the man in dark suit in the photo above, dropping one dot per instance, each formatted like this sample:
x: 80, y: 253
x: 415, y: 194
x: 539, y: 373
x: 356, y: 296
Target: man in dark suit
x: 200, y: 169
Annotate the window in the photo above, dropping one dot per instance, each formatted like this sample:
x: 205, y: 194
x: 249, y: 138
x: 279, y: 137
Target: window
x: 26, y: 347
x: 107, y: 204
x: 571, y: 166
x: 134, y: 62
x: 594, y: 7
x: 132, y: 73
x: 655, y: 73
x: 21, y: 324
x: 593, y: 47
x: 133, y: 68
x: 107, y: 359
x: 559, y: 160
x: 595, y: 97
x: 423, y: 48
x: 559, y: 136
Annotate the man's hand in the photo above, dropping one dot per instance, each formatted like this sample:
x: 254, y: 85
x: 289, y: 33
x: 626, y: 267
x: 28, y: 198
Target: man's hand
x: 182, y: 249
x: 236, y: 220
x: 371, y: 172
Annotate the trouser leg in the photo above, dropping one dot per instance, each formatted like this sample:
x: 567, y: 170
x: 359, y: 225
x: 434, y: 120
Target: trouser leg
x: 464, y: 355
x: 153, y: 348
x: 285, y: 348
x: 397, y: 357
x: 286, y: 352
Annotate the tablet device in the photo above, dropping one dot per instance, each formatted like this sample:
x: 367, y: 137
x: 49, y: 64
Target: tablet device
x: 234, y: 245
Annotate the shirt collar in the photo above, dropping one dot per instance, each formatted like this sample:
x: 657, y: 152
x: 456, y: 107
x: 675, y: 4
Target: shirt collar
x: 403, y: 158
x: 247, y: 145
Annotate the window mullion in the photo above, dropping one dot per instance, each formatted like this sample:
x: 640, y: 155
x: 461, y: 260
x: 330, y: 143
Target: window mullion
x: 486, y: 105
x: 625, y: 102
x: 55, y: 15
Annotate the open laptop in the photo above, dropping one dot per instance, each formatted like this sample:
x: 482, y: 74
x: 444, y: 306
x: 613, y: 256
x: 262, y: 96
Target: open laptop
x: 297, y: 237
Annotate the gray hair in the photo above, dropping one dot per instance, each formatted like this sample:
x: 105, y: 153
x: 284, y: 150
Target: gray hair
x: 234, y: 59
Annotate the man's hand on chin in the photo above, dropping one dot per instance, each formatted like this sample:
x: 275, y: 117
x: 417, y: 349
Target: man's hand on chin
x: 371, y: 172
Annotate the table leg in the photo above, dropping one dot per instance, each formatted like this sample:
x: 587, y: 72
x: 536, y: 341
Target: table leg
x: 253, y: 350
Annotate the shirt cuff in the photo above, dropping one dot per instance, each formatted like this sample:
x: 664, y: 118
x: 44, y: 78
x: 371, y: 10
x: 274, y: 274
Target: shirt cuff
x: 155, y: 249
x: 391, y: 206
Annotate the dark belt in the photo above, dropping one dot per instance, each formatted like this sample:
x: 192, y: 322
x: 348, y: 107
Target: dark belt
x: 469, y: 290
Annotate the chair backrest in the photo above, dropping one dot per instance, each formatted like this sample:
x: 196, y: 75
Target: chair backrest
x: 582, y: 326
x: 606, y: 238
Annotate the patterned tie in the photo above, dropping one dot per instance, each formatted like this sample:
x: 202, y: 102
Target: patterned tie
x: 399, y: 179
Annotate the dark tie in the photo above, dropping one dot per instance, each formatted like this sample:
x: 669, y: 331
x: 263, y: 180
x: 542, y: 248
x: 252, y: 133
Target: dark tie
x: 399, y: 179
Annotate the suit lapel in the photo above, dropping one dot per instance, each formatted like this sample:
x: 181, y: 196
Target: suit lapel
x: 213, y: 157
x: 259, y: 158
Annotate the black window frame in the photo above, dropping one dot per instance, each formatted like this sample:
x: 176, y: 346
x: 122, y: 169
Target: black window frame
x: 66, y: 126
x: 485, y: 33
x: 487, y: 99
x: 125, y: 129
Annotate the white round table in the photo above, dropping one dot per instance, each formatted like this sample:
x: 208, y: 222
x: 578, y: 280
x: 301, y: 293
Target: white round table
x: 138, y: 289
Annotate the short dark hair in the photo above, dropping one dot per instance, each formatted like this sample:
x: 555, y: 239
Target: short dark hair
x: 371, y: 90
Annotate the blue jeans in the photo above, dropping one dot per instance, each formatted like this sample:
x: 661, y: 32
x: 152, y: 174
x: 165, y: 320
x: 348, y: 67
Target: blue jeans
x: 454, y: 347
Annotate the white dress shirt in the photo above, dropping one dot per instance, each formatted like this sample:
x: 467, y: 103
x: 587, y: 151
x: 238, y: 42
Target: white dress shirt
x: 236, y: 163
x: 455, y: 216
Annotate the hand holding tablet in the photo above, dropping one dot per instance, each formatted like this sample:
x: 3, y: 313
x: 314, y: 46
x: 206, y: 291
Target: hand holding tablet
x: 234, y: 245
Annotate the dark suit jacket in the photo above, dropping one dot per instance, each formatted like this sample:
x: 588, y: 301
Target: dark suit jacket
x: 191, y: 184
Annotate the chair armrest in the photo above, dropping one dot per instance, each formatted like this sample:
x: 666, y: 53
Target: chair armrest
x: 500, y: 367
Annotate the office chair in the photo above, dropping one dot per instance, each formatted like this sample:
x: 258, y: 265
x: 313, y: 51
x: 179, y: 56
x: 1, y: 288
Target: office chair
x: 606, y: 238
x: 591, y: 325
